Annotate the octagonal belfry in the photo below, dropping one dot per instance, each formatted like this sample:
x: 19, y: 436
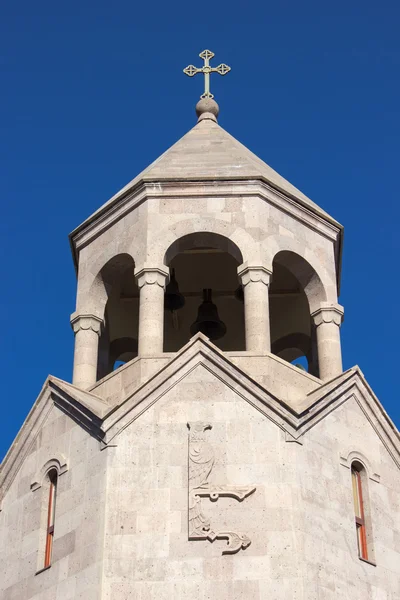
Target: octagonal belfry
x: 224, y: 221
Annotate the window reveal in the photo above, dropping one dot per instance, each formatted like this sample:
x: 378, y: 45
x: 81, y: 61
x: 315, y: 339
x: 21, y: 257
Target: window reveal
x: 50, y: 518
x: 359, y: 513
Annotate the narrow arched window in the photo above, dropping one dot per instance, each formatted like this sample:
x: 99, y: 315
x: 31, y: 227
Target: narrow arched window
x: 359, y: 510
x: 51, y: 509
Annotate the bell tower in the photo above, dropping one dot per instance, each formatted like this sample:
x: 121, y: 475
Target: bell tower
x: 208, y: 239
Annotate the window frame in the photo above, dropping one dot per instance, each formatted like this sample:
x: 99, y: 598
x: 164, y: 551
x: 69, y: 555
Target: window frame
x: 48, y: 474
x: 51, y: 512
x: 359, y: 510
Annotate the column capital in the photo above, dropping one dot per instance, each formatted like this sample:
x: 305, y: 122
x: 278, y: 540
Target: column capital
x: 328, y: 313
x: 86, y: 321
x: 249, y: 273
x: 150, y: 275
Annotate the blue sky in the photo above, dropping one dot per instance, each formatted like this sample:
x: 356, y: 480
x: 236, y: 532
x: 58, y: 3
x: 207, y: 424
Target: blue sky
x: 92, y: 92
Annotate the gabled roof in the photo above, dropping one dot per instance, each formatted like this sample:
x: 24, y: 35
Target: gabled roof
x: 208, y: 153
x: 105, y: 422
x: 83, y: 407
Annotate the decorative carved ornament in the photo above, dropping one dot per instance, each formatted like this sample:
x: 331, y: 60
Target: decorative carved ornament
x: 254, y: 274
x: 92, y: 322
x: 201, y: 462
x: 328, y: 313
x: 349, y: 456
x: 151, y: 276
x: 58, y: 462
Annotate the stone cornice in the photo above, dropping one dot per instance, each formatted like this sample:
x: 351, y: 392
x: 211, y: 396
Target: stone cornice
x: 328, y: 313
x: 131, y: 198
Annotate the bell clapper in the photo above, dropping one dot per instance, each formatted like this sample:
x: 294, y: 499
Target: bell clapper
x: 175, y: 319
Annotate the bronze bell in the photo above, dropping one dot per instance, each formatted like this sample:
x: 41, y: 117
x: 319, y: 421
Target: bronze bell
x: 208, y: 321
x: 173, y: 299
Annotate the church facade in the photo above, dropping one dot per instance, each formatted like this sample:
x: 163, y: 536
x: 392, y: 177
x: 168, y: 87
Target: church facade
x: 210, y: 445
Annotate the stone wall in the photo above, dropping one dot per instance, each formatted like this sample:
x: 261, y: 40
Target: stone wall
x: 76, y: 566
x: 328, y: 541
x: 300, y: 518
x: 122, y: 513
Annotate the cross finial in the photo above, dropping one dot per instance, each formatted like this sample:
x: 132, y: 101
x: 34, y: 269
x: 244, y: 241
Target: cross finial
x: 191, y: 70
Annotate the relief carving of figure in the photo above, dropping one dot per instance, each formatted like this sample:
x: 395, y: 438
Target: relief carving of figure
x: 201, y: 462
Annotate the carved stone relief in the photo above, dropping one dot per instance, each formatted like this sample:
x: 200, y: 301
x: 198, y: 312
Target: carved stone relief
x: 201, y: 462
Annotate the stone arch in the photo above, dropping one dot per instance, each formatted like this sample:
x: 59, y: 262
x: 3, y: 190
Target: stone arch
x: 315, y: 279
x: 296, y: 290
x: 123, y: 348
x: 351, y: 456
x: 58, y: 463
x: 106, y: 279
x: 203, y: 239
x: 305, y: 273
x: 205, y: 265
x: 114, y: 285
x: 296, y: 344
x: 247, y: 246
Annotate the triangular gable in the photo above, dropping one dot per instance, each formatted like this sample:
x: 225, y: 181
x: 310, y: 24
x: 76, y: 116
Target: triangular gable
x: 83, y: 407
x: 105, y: 423
x: 316, y: 406
x: 350, y: 385
x: 26, y: 436
x: 198, y: 352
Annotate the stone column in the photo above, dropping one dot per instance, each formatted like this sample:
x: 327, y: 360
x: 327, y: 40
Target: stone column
x: 255, y: 282
x: 151, y: 282
x: 328, y: 319
x: 87, y: 329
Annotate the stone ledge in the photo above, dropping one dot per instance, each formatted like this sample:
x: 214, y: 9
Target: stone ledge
x: 369, y: 562
x: 42, y: 570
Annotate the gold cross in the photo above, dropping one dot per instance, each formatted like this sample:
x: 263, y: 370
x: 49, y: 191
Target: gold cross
x: 222, y: 69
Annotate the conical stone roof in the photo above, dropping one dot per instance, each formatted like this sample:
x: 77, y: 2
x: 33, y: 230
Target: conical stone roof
x: 208, y: 152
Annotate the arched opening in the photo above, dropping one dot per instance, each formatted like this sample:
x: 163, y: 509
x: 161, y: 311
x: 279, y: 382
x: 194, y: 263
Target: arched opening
x: 362, y: 512
x: 118, y: 339
x: 301, y: 362
x: 295, y: 285
x: 122, y: 350
x: 51, y: 485
x: 200, y: 262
